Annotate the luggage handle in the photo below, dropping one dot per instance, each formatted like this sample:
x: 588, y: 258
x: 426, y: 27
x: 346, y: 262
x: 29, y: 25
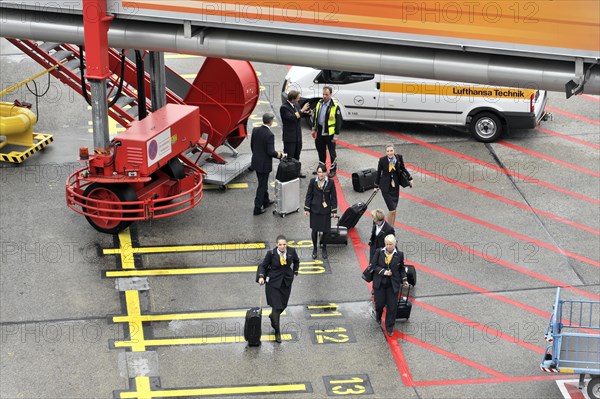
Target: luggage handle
x: 407, y: 293
x: 260, y: 295
x: 371, y: 197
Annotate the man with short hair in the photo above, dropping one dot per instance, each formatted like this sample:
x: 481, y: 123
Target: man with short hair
x: 291, y: 118
x: 326, y: 126
x: 262, y: 144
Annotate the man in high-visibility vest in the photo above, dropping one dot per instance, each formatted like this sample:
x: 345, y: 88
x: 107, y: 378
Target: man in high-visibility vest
x: 326, y: 128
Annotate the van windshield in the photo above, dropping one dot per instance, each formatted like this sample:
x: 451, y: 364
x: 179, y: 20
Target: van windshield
x: 342, y: 77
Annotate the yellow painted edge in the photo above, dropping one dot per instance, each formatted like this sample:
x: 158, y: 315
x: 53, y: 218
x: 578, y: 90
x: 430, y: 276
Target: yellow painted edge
x: 126, y: 249
x: 186, y: 248
x: 186, y: 316
x: 328, y: 306
x: 231, y: 185
x: 201, y: 340
x: 222, y: 391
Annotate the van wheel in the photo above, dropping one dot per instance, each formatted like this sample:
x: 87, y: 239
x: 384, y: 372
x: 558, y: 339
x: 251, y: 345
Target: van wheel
x: 486, y: 127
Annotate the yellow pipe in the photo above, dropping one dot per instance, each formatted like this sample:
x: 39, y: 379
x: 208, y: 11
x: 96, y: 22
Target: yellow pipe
x: 14, y: 87
x: 16, y: 123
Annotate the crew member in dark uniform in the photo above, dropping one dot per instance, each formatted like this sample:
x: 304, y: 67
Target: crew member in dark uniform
x: 278, y: 270
x: 388, y: 180
x: 321, y: 205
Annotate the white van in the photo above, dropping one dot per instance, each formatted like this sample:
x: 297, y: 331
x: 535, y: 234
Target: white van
x: 486, y: 111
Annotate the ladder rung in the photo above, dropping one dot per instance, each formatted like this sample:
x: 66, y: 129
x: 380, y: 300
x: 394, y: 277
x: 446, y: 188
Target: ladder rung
x: 73, y: 64
x: 124, y: 100
x: 61, y: 55
x: 133, y: 111
x: 47, y: 46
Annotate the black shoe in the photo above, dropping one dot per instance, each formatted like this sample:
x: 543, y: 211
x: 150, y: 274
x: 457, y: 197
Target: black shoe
x: 324, y: 253
x: 268, y: 204
x: 390, y: 333
x: 278, y: 337
x: 332, y: 173
x: 314, y: 254
x: 259, y: 211
x: 302, y: 176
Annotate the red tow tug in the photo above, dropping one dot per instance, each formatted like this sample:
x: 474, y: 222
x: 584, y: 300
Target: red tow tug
x: 143, y: 175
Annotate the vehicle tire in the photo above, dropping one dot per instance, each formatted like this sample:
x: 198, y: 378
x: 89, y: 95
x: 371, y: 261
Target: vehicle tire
x: 174, y: 169
x: 593, y: 388
x: 106, y: 192
x: 486, y: 127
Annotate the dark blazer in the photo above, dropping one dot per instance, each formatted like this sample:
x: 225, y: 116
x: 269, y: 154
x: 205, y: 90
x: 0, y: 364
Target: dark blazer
x: 290, y: 123
x: 278, y: 275
x: 315, y: 197
x: 383, y: 177
x: 377, y: 241
x: 396, y: 265
x: 262, y: 144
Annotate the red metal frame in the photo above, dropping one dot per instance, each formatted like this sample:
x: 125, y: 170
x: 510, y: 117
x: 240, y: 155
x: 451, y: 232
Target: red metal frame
x: 189, y: 195
x: 95, y: 34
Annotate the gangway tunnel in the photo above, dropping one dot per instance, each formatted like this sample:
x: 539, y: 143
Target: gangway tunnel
x: 554, y: 46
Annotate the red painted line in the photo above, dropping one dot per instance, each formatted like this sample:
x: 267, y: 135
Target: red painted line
x: 450, y: 355
x: 588, y: 97
x: 397, y: 353
x: 482, y: 192
x: 473, y: 287
x: 495, y: 167
x: 574, y: 391
x: 488, y: 380
x: 401, y: 364
x: 502, y: 230
x: 486, y: 329
x: 570, y: 115
x: 551, y: 281
x: 569, y: 138
x: 548, y: 158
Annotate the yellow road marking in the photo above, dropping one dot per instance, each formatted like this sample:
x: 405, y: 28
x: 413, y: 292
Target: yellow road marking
x: 186, y: 248
x: 126, y: 250
x: 180, y: 272
x: 310, y: 266
x: 136, y: 331
x: 328, y: 306
x: 143, y: 388
x: 198, y: 341
x: 186, y: 316
x: 231, y: 185
x: 188, y: 75
x: 248, y: 389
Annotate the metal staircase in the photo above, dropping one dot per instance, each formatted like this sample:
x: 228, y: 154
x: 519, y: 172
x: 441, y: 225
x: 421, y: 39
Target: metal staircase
x: 225, y: 91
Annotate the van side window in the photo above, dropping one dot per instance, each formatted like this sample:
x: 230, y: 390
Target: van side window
x: 342, y: 77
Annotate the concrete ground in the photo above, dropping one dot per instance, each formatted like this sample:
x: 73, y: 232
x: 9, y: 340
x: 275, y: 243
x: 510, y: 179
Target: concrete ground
x: 489, y: 248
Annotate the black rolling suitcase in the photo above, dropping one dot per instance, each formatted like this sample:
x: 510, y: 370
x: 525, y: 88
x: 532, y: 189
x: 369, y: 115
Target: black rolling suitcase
x: 364, y: 180
x: 338, y: 235
x: 404, y: 306
x: 411, y: 274
x: 353, y: 214
x: 288, y: 169
x: 253, y: 325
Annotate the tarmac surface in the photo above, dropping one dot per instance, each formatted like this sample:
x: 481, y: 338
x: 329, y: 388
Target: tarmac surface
x: 490, y: 248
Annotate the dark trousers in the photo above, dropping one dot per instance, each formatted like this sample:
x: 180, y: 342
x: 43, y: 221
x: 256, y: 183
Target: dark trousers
x: 275, y: 317
x: 292, y: 149
x: 262, y: 192
x: 386, y: 297
x: 323, y: 143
